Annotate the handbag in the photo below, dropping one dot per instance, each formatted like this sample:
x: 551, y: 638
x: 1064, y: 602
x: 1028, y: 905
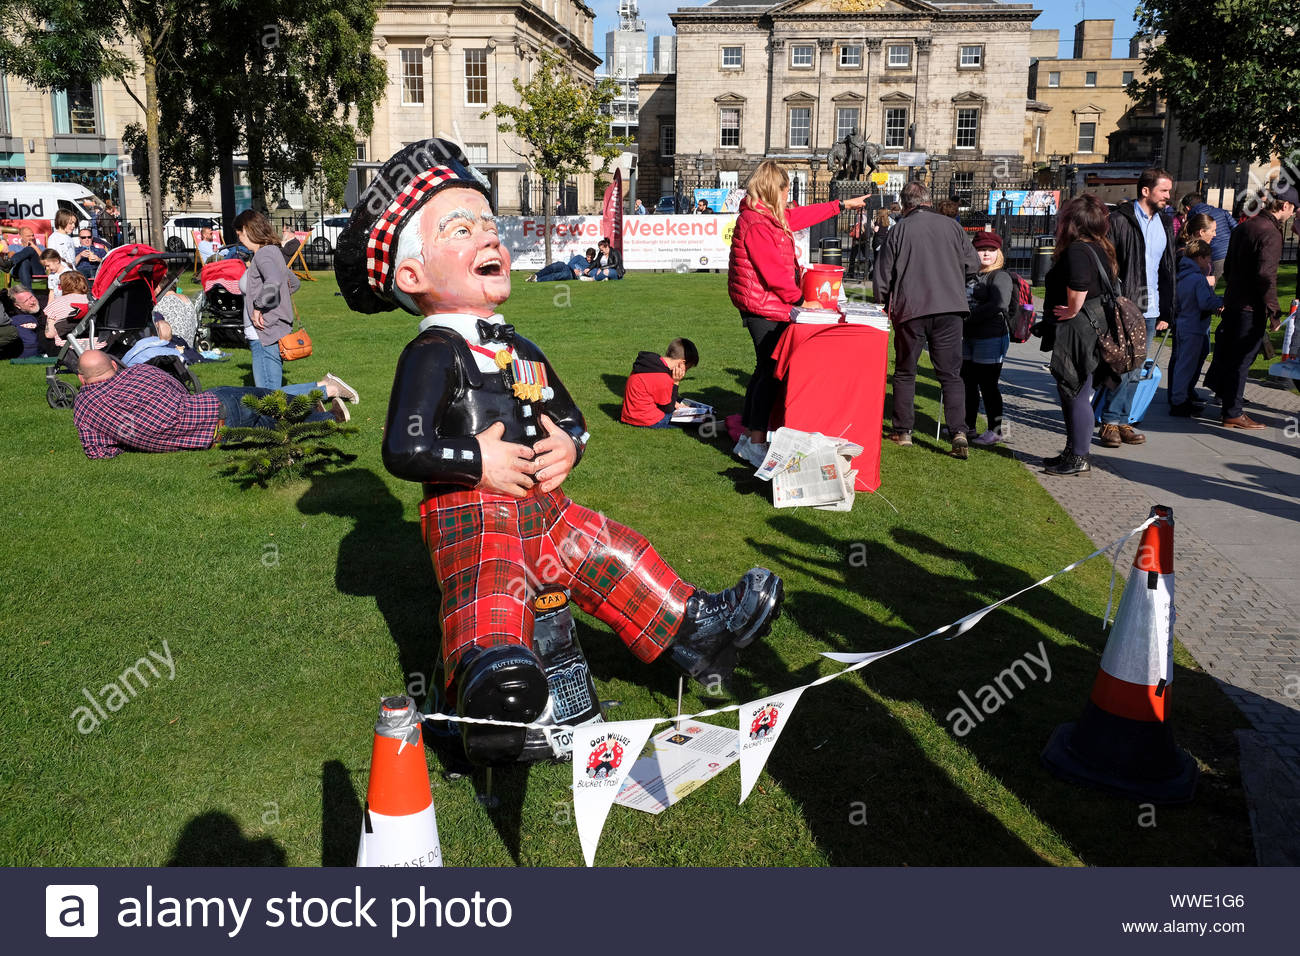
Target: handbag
x: 295, y: 345
x: 1123, y: 344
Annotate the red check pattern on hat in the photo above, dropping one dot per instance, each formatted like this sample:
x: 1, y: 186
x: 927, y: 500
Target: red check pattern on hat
x: 382, y: 241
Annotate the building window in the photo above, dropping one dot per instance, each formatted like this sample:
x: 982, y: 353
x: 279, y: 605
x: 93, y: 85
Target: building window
x: 729, y: 122
x: 899, y: 56
x: 801, y: 57
x: 1128, y: 77
x: 963, y: 187
x: 361, y: 152
x: 846, y: 121
x: 1087, y: 137
x: 972, y: 58
x: 1090, y: 78
x: 476, y: 153
x: 476, y: 77
x: 850, y: 57
x: 412, y: 76
x: 1038, y: 140
x: 895, y: 127
x: 800, y: 127
x: 1054, y: 78
x: 733, y: 57
x: 74, y: 112
x: 4, y: 107
x: 968, y: 128
x: 668, y: 140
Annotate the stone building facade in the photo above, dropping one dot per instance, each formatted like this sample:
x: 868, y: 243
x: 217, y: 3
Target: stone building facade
x: 786, y: 79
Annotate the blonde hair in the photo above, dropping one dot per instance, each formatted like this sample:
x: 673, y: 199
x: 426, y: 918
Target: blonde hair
x: 768, y: 186
x: 999, y: 263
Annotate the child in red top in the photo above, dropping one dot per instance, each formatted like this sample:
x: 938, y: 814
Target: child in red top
x: 650, y: 397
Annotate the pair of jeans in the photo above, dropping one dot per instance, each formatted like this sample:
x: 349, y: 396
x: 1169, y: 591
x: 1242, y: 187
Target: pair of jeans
x: 238, y: 415
x: 553, y: 272
x: 606, y: 273
x: 943, y: 333
x: 764, y: 390
x: 665, y: 422
x: 1120, y: 402
x: 24, y: 264
x: 1192, y: 345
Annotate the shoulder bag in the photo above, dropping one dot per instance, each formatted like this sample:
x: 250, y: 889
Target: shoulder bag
x: 1123, y: 344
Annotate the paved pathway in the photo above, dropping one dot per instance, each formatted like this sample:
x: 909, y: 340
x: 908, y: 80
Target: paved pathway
x: 1236, y: 502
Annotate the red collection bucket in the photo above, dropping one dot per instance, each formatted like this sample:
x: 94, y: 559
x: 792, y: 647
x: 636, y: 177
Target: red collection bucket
x: 821, y: 286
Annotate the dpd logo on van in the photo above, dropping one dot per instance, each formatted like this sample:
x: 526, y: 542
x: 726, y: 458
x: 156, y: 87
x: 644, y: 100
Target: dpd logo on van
x: 22, y: 210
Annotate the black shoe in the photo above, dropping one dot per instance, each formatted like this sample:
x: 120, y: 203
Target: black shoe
x: 1186, y: 410
x: 500, y: 683
x: 1056, y: 459
x: 1072, y: 465
x: 717, y: 625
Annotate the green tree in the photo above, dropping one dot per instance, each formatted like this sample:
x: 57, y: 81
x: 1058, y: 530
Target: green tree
x: 1228, y: 70
x: 56, y: 44
x: 291, y: 448
x: 562, y: 123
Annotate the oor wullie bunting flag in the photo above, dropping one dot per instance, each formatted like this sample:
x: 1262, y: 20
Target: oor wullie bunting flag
x: 761, y: 723
x: 602, y: 756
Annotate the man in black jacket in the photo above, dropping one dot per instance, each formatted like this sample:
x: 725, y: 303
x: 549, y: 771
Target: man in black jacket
x: 921, y: 275
x: 1144, y: 250
x: 1250, y: 302
x: 481, y: 420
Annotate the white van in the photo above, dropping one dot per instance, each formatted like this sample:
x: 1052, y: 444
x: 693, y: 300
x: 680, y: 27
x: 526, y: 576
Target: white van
x: 40, y: 201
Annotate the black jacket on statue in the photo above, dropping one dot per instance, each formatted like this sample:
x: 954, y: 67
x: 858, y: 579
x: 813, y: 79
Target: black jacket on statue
x: 441, y: 400
x: 1131, y: 254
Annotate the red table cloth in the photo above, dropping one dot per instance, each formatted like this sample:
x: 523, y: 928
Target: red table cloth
x: 835, y: 384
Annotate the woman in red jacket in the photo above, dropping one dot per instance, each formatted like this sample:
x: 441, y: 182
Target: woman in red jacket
x: 763, y: 276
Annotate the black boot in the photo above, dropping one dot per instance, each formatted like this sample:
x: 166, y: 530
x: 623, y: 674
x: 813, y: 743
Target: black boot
x: 715, y: 626
x: 1056, y: 460
x: 499, y: 683
x: 1071, y: 465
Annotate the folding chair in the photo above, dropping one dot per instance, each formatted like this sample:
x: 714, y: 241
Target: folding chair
x: 302, y: 272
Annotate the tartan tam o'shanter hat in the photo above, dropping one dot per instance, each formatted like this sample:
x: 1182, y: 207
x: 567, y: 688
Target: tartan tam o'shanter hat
x: 366, y: 249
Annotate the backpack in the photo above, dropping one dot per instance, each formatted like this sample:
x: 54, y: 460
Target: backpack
x: 1020, y: 317
x: 1123, y: 343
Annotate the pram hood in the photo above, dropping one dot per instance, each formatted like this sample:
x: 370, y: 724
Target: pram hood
x: 153, y: 272
x: 225, y: 273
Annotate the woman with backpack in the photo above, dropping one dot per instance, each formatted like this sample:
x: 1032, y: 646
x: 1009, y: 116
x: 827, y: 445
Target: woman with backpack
x: 1073, y: 322
x: 985, y: 337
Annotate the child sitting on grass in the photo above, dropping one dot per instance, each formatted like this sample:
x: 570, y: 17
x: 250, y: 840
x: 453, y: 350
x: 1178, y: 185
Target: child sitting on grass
x: 650, y: 396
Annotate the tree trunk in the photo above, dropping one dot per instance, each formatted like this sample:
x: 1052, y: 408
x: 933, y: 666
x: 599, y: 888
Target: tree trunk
x: 152, y: 137
x: 546, y: 220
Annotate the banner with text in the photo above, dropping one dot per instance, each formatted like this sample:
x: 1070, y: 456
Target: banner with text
x: 683, y: 243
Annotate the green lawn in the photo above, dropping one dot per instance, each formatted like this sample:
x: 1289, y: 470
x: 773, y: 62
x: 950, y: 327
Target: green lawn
x: 288, y: 614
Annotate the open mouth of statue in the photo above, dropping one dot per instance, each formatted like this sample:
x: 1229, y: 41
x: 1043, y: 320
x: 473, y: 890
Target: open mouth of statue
x: 492, y: 267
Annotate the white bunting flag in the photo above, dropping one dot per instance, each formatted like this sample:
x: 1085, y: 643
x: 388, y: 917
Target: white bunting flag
x: 602, y: 756
x: 761, y: 723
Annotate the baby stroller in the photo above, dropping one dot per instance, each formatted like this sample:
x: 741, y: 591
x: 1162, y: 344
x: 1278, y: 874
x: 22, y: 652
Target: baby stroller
x: 220, y: 305
x: 129, y: 281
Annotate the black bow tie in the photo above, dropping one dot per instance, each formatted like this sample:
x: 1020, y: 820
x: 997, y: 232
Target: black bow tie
x: 490, y: 332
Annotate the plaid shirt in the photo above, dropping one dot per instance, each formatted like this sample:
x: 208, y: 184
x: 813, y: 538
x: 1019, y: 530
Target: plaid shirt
x: 142, y: 408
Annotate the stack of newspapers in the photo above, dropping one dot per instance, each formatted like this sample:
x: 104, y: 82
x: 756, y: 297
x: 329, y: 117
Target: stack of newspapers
x: 809, y: 469
x: 848, y: 313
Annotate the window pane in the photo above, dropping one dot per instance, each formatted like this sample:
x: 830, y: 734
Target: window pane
x: 850, y: 56
x: 1090, y: 78
x: 732, y: 56
x: 800, y: 125
x: 1054, y: 79
x: 801, y: 56
x: 74, y: 111
x: 895, y: 128
x: 963, y: 186
x: 900, y: 55
x: 730, y: 122
x: 1087, y: 137
x: 412, y: 77
x: 972, y: 55
x: 1128, y: 77
x: 967, y: 128
x: 667, y: 140
x: 846, y: 122
x: 476, y: 153
x: 476, y: 77
x: 361, y: 152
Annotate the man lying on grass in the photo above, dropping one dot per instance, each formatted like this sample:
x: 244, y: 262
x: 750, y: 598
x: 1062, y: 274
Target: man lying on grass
x: 480, y: 418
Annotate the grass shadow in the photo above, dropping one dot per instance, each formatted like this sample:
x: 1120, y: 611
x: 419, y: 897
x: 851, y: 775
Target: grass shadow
x: 215, y: 839
x: 340, y: 819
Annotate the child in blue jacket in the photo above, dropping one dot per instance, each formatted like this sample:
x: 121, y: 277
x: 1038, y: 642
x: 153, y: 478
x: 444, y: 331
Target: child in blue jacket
x: 1195, y: 303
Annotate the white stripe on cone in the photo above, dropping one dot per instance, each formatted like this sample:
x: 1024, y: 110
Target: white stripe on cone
x: 1131, y: 654
x: 408, y: 840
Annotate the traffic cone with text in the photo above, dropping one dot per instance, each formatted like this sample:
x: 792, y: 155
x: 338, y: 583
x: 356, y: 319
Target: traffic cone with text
x: 1124, y: 742
x: 399, y: 827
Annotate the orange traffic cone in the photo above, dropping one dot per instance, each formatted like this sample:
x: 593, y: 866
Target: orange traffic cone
x: 399, y: 827
x: 1124, y: 741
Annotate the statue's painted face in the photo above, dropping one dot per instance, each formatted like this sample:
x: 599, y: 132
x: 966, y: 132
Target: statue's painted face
x: 465, y: 268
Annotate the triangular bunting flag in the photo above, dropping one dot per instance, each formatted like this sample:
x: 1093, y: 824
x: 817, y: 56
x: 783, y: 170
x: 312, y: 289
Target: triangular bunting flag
x: 761, y: 723
x: 602, y: 756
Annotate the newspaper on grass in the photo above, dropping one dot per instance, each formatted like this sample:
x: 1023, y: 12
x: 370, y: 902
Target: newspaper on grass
x: 809, y: 469
x: 680, y: 761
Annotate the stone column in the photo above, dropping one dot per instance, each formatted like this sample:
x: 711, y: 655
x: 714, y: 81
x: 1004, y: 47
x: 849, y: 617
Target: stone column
x: 873, y: 126
x: 440, y: 51
x: 928, y: 125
